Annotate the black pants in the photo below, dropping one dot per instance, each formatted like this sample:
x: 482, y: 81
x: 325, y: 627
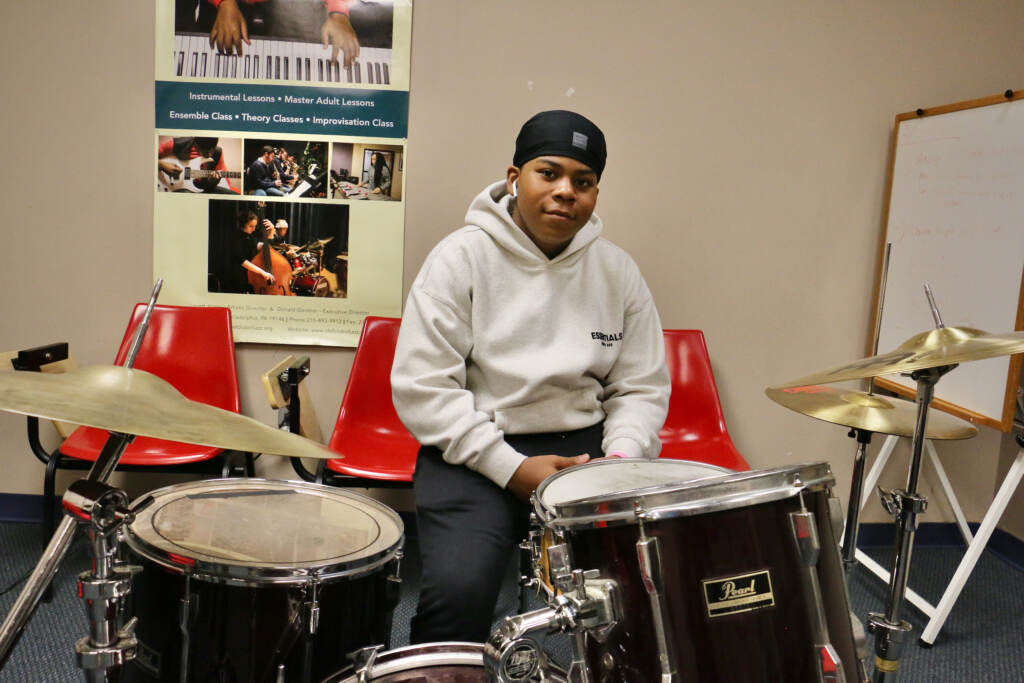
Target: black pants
x: 468, y: 529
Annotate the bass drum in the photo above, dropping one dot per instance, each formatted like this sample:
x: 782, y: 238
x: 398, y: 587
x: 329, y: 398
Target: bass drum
x: 732, y: 578
x: 310, y: 285
x: 250, y: 579
x: 427, y: 663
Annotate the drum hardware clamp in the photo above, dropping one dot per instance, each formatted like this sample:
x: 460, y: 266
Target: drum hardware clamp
x: 586, y: 602
x: 103, y: 509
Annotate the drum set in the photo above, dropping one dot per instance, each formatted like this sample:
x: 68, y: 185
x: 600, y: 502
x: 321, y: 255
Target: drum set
x: 662, y: 570
x: 309, y: 275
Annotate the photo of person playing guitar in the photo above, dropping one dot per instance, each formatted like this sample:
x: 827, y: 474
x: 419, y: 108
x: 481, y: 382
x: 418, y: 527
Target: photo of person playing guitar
x: 194, y: 164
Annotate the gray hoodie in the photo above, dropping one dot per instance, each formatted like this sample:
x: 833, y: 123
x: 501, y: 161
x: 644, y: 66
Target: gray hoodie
x: 497, y: 338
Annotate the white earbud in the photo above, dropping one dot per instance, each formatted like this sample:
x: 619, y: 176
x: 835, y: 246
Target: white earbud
x: 515, y: 189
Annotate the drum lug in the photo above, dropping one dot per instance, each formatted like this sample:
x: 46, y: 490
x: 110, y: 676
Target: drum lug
x: 560, y: 567
x: 805, y: 533
x: 648, y: 550
x: 314, y: 606
x: 808, y: 546
x: 185, y: 616
x: 529, y: 551
x: 393, y: 584
x: 363, y: 661
x: 836, y: 515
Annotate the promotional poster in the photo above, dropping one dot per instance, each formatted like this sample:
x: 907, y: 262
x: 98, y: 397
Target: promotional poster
x: 279, y: 168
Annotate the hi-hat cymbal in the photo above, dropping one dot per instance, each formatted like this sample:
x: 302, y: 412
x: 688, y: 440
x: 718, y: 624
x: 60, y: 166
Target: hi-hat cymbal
x: 931, y: 349
x: 138, y: 402
x: 870, y: 412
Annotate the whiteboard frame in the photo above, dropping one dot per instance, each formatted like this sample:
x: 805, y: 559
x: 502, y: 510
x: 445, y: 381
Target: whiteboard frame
x: 1004, y: 421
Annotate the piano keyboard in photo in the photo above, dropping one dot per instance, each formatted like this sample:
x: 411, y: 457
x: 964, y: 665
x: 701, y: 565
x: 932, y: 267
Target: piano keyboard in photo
x: 278, y: 60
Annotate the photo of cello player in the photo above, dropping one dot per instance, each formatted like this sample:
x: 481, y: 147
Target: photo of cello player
x: 251, y: 251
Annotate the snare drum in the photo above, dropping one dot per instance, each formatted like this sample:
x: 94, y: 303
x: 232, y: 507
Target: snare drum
x: 243, y: 579
x: 731, y: 578
x: 430, y: 662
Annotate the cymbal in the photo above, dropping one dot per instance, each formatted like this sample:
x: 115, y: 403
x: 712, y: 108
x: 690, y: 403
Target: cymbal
x: 931, y: 349
x: 869, y: 412
x: 138, y: 402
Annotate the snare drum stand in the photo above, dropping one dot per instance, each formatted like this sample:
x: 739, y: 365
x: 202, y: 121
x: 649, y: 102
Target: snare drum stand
x: 101, y: 510
x: 904, y: 505
x: 23, y: 608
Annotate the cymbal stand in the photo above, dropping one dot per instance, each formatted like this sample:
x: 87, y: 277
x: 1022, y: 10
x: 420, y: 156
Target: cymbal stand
x: 37, y: 582
x: 904, y: 505
x: 102, y: 510
x: 863, y: 437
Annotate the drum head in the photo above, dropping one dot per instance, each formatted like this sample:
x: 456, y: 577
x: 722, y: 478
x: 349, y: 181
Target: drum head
x: 441, y: 662
x: 615, y: 475
x: 256, y: 530
x: 562, y: 504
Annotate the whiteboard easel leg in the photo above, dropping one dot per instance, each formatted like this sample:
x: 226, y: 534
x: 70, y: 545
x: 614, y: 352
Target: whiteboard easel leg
x: 988, y: 525
x: 881, y: 572
x: 947, y: 488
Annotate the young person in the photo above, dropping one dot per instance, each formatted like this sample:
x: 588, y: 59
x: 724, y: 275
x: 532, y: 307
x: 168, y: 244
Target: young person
x: 378, y: 178
x: 262, y: 180
x: 528, y: 344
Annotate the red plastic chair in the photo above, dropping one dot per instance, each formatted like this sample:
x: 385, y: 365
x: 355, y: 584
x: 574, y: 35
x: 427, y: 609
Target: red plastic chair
x: 379, y: 451
x: 695, y: 427
x: 193, y: 349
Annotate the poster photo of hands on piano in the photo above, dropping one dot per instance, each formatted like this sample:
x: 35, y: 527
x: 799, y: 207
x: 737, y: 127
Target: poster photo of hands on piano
x: 299, y: 110
x: 333, y: 41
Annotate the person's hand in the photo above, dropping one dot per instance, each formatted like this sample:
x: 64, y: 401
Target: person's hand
x: 376, y: 190
x: 270, y: 278
x: 229, y: 29
x: 339, y: 33
x: 538, y: 468
x: 277, y: 183
x: 268, y: 228
x: 170, y: 168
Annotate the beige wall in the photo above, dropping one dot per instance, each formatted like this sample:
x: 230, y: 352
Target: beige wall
x: 748, y: 147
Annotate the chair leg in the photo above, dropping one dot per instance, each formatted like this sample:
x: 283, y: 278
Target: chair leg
x: 250, y: 465
x: 49, y: 523
x: 49, y: 493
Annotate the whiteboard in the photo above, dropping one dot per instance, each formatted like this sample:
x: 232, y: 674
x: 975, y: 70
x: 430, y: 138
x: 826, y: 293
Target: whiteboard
x: 955, y: 221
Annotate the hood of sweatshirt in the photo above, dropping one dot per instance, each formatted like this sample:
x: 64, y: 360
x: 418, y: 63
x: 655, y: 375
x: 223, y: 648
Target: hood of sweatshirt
x: 489, y: 210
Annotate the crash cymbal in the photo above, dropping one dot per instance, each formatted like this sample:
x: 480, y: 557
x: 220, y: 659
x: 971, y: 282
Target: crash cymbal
x: 931, y: 349
x: 316, y: 244
x: 870, y: 412
x: 138, y: 402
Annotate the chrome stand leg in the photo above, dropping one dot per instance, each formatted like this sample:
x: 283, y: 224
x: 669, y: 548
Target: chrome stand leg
x: 23, y: 608
x: 853, y: 506
x: 889, y: 630
x: 110, y: 644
